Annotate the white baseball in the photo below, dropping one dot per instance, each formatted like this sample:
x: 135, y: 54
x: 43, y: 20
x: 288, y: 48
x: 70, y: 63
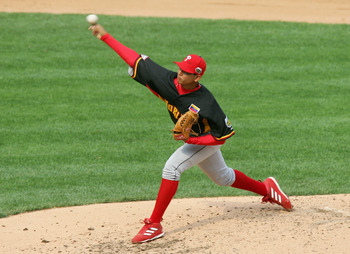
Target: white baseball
x: 92, y: 19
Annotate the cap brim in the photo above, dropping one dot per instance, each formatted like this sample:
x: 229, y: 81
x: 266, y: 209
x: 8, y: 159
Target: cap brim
x: 184, y: 67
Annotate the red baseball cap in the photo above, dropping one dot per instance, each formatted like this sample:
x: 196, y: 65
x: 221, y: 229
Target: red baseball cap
x: 193, y: 64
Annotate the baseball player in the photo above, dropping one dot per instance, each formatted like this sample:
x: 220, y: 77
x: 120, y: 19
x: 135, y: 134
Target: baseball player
x: 209, y: 130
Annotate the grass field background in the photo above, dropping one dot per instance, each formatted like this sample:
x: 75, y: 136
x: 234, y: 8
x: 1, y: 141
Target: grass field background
x: 76, y: 129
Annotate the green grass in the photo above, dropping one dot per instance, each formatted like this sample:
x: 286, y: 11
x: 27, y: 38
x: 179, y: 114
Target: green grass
x: 75, y: 129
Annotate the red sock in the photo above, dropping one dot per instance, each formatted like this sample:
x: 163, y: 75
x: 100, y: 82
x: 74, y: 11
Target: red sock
x: 166, y: 192
x: 246, y: 183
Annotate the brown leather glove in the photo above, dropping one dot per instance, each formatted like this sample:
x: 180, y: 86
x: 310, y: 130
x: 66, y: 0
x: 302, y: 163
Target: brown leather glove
x: 184, y: 124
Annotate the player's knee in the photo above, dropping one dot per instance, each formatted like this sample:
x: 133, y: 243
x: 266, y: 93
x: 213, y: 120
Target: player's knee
x: 170, y: 173
x: 226, y: 179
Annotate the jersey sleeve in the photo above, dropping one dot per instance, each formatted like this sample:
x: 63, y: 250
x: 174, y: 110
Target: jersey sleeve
x: 154, y: 76
x: 222, y: 129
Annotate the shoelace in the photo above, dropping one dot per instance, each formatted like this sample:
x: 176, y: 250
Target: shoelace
x: 145, y: 221
x: 266, y: 199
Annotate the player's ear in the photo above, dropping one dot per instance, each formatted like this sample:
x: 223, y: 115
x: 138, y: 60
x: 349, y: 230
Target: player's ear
x: 197, y: 78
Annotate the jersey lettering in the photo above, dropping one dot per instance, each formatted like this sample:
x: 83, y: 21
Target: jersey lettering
x: 172, y: 109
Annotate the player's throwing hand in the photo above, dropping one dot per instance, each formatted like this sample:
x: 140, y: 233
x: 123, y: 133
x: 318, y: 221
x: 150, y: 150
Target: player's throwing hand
x: 97, y: 30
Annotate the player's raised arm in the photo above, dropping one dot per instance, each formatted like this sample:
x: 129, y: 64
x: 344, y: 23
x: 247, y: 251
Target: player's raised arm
x: 127, y: 54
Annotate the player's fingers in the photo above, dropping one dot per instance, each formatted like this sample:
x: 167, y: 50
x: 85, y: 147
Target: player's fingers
x: 94, y: 32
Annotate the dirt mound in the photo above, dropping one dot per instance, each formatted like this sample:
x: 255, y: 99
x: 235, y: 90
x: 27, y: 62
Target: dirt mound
x: 318, y: 224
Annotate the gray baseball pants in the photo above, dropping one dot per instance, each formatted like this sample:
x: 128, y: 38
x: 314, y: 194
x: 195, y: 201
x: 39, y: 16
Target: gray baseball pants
x: 208, y: 158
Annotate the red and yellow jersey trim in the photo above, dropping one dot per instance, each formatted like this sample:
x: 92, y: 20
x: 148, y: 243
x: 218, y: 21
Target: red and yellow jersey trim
x: 226, y: 136
x: 135, y: 67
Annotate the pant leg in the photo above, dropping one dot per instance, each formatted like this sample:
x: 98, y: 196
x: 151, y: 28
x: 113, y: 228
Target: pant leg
x: 216, y: 169
x: 186, y: 157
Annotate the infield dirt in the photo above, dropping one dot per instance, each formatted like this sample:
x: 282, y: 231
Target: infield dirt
x: 318, y: 224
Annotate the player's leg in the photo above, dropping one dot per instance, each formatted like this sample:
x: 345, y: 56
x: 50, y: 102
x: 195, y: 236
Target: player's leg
x: 216, y: 169
x: 182, y: 159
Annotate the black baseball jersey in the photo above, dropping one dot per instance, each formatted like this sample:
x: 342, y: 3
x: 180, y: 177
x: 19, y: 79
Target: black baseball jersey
x: 160, y: 80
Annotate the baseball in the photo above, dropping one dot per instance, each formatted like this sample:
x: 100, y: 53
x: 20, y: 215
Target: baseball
x: 92, y: 19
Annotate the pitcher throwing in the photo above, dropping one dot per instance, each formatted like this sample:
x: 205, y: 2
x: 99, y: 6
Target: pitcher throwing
x: 203, y: 135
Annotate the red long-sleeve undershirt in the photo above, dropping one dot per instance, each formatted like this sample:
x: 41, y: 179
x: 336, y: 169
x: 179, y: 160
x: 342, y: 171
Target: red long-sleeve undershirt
x: 127, y: 54
x: 130, y: 56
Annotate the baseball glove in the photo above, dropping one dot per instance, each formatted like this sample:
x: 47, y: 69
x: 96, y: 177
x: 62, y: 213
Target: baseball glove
x: 184, y: 125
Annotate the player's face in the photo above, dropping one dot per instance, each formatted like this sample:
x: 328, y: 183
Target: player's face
x: 187, y: 80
